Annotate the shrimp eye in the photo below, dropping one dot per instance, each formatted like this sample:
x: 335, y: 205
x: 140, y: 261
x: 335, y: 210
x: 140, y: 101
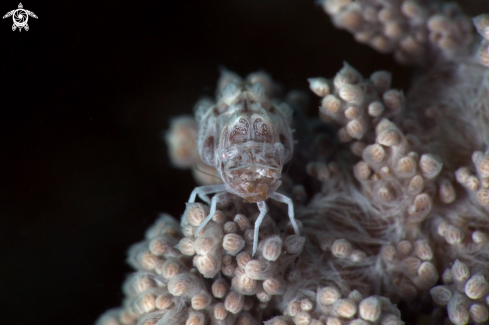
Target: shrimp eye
x: 223, y: 155
x: 279, y: 149
x: 227, y: 153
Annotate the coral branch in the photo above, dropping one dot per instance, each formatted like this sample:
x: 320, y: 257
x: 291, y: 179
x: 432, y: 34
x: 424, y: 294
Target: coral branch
x: 417, y: 32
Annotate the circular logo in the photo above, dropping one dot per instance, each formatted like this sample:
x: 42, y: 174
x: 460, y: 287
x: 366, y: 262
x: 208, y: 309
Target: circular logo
x: 20, y: 17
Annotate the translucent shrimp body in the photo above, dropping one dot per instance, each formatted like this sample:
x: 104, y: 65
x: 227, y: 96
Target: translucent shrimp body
x: 248, y: 139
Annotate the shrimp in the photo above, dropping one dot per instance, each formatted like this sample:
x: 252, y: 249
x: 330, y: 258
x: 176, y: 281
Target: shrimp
x: 248, y: 139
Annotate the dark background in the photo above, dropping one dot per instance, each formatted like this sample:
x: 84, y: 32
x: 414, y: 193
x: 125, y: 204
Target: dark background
x: 85, y: 95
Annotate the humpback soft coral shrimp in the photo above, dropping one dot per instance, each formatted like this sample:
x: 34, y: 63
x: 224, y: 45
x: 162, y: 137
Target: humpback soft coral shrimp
x: 248, y: 139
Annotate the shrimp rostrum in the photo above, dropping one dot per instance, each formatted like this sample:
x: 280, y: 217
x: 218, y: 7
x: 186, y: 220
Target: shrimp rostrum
x: 248, y: 139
